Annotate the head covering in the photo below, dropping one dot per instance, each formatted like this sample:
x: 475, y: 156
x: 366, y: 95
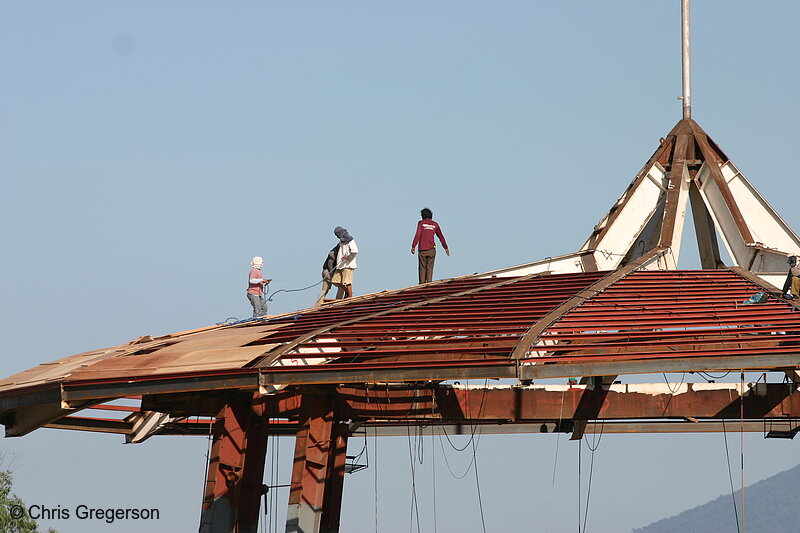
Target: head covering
x: 793, y: 260
x: 342, y: 234
x: 257, y: 262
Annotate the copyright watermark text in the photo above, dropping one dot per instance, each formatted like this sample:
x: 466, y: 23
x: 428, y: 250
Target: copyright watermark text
x: 84, y: 512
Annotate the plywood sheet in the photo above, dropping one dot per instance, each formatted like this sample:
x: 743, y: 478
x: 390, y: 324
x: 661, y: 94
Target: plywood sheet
x: 211, y: 348
x: 188, y: 362
x: 54, y: 371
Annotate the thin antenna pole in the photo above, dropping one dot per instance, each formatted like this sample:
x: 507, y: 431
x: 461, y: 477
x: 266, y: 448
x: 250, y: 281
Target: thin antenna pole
x: 687, y: 61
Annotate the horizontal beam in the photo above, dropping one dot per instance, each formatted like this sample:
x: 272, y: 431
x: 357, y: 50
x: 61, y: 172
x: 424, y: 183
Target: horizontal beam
x: 27, y: 397
x: 560, y: 369
x: 88, y: 391
x: 581, y: 402
x: 385, y: 429
x: 384, y: 375
x: 617, y: 408
x: 611, y: 427
x: 97, y: 425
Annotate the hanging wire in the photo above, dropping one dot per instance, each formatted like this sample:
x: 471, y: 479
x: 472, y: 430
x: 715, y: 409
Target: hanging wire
x: 741, y: 440
x: 730, y: 476
x: 677, y: 388
x: 478, y: 484
x: 447, y: 462
x: 580, y: 441
x: 277, y: 480
x: 592, y: 448
x: 363, y: 451
x: 708, y: 376
x: 375, y: 478
x: 555, y: 464
x: 414, y: 505
x: 268, y: 508
x: 418, y: 435
x: 474, y: 429
x: 456, y: 448
x: 433, y: 468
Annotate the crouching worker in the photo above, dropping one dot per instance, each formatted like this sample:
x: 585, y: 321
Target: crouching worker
x: 792, y: 286
x: 342, y: 276
x: 328, y: 269
x: 255, y: 287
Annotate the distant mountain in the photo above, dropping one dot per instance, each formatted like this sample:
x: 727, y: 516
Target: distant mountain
x: 770, y: 505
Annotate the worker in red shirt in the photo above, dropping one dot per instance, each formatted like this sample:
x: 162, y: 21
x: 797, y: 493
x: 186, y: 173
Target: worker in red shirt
x: 424, y: 237
x: 255, y: 287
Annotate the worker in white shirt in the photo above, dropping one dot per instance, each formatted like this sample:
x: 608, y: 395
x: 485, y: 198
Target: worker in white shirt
x: 345, y: 263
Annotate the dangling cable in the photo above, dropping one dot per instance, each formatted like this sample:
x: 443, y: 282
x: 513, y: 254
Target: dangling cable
x: 580, y: 441
x: 555, y: 464
x: 268, y: 507
x: 433, y: 468
x: 375, y: 478
x: 592, y: 448
x: 730, y: 476
x: 478, y: 485
x: 447, y: 461
x: 741, y: 441
x: 414, y: 504
x: 277, y: 480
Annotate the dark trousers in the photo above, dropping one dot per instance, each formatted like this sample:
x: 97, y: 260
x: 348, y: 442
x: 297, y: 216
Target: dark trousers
x: 426, y: 260
x: 259, y: 304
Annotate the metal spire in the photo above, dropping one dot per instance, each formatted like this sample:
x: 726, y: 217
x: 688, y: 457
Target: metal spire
x: 687, y: 62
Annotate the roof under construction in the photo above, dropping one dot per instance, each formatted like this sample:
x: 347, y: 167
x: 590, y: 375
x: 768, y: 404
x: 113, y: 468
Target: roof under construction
x: 526, y: 327
x: 619, y: 300
x: 617, y: 306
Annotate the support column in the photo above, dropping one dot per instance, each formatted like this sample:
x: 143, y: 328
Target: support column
x: 332, y: 503
x: 320, y: 453
x: 236, y: 469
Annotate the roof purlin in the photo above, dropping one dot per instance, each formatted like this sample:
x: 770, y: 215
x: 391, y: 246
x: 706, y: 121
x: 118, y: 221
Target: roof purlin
x: 275, y: 354
x: 537, y: 329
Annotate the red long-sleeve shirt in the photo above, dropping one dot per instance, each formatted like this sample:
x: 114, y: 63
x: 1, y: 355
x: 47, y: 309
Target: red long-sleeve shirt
x: 426, y: 229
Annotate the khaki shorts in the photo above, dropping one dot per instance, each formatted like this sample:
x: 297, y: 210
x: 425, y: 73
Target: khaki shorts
x: 343, y: 277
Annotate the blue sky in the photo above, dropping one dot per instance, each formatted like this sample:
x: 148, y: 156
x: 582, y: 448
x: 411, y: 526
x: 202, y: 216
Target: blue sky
x: 148, y: 150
